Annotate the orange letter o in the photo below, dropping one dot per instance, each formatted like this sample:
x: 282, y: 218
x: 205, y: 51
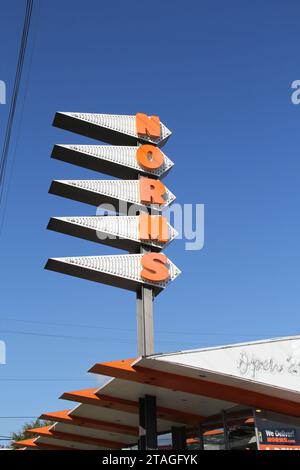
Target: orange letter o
x: 149, y: 157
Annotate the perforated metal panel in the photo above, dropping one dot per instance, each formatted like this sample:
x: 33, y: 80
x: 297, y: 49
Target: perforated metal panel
x: 98, y: 192
x: 114, y: 160
x: 118, y: 270
x: 117, y: 231
x: 111, y: 128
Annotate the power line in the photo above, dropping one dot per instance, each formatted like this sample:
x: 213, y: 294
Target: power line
x: 25, y: 87
x: 67, y: 337
x: 45, y: 379
x: 7, y: 138
x: 188, y: 333
x: 81, y: 338
x: 18, y: 417
x: 76, y: 325
x: 106, y: 339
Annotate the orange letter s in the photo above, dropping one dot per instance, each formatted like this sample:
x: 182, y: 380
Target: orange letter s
x: 155, y: 267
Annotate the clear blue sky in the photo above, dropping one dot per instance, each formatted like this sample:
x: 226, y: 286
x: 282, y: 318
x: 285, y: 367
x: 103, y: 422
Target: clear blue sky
x: 219, y: 74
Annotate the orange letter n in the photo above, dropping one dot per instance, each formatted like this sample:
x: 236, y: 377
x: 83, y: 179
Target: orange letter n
x: 147, y: 126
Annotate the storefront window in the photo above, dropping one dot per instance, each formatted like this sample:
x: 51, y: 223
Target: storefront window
x: 232, y: 430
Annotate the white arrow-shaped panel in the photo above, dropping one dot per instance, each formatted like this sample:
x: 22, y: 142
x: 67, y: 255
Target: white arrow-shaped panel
x: 111, y: 128
x: 122, y: 271
x: 97, y: 192
x: 119, y: 161
x: 116, y: 231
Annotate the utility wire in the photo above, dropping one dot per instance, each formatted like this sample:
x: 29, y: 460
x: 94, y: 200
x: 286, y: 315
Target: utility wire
x: 18, y: 417
x: 47, y: 335
x: 46, y: 379
x: 82, y: 338
x: 7, y: 138
x: 188, y: 333
x: 75, y: 325
x: 107, y: 339
x: 25, y: 87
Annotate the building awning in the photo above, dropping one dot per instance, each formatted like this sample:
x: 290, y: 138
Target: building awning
x: 191, y: 388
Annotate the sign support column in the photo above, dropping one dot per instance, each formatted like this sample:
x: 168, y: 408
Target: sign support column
x: 145, y: 327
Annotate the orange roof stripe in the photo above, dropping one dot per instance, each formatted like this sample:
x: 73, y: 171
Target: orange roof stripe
x: 127, y: 370
x: 53, y: 434
x: 66, y: 418
x: 26, y: 443
x: 35, y: 444
x: 89, y: 397
x: 45, y: 430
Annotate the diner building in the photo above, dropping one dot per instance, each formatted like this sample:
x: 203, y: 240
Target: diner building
x: 236, y: 397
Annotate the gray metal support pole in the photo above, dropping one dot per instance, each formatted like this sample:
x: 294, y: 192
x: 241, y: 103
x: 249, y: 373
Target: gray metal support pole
x: 201, y: 438
x: 147, y: 423
x: 144, y: 307
x: 145, y: 328
x: 178, y: 437
x: 256, y: 429
x: 142, y: 425
x: 226, y: 431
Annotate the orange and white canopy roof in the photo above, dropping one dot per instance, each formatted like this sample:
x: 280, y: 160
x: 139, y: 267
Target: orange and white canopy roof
x: 191, y: 387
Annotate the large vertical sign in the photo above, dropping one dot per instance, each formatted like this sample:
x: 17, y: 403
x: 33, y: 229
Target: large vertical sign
x: 134, y: 156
